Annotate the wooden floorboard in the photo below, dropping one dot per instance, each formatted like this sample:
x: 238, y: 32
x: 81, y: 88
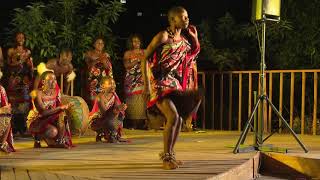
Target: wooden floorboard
x: 36, y: 175
x: 205, y: 155
x: 51, y: 176
x: 7, y: 174
x: 21, y: 174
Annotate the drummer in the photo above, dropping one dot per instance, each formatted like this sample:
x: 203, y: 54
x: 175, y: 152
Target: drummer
x: 62, y: 65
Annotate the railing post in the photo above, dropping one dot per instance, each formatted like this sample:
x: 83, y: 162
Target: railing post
x: 230, y: 102
x: 250, y: 95
x: 213, y: 76
x: 221, y: 102
x: 303, y: 92
x: 291, y: 98
x: 240, y: 102
x: 280, y: 100
x: 315, y: 98
x: 270, y: 97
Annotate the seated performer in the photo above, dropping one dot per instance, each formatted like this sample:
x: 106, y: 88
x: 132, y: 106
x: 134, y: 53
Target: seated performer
x: 46, y: 119
x: 6, y: 138
x: 63, y: 66
x: 107, y: 114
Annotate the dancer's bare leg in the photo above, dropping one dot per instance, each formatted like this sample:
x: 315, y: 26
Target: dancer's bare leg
x: 50, y: 135
x: 179, y: 125
x: 168, y: 109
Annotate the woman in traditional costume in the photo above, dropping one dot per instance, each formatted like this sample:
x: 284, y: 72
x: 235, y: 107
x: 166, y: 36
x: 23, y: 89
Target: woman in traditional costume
x: 99, y: 65
x: 6, y: 138
x: 133, y: 83
x: 20, y: 79
x: 169, y: 55
x: 46, y: 120
x: 106, y: 117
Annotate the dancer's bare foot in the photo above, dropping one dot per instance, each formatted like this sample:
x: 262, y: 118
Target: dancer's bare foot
x: 168, y: 165
x: 99, y: 137
x: 37, y: 144
x: 4, y: 147
x: 169, y: 161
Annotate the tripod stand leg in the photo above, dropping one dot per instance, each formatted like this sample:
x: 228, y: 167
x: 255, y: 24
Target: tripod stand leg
x: 245, y: 131
x: 287, y: 125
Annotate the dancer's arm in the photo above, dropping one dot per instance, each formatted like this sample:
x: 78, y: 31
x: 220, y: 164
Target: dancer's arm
x: 129, y: 63
x: 47, y: 112
x: 159, y: 39
x: 192, y: 31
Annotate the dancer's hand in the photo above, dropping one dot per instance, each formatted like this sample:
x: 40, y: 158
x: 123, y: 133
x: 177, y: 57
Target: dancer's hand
x: 7, y: 109
x: 67, y: 106
x: 192, y: 30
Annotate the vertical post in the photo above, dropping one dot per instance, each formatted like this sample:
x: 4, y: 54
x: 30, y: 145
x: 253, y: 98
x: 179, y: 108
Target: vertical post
x: 250, y: 95
x: 291, y: 98
x: 262, y: 79
x: 255, y: 119
x: 280, y: 100
x: 204, y: 102
x: 270, y: 97
x: 221, y: 102
x: 240, y: 102
x: 265, y: 107
x: 213, y: 101
x: 61, y: 84
x: 230, y: 102
x: 303, y: 93
x: 72, y: 87
x: 315, y: 97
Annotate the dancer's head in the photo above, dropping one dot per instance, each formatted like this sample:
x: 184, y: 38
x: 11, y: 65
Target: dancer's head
x: 99, y: 44
x: 47, y: 78
x: 134, y: 41
x: 108, y: 84
x: 65, y: 56
x: 20, y: 38
x: 178, y: 17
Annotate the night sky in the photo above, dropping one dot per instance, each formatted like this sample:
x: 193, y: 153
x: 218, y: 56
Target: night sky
x: 151, y: 20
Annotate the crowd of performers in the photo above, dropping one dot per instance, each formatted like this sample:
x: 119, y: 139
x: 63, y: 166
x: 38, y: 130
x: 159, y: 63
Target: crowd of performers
x: 160, y: 83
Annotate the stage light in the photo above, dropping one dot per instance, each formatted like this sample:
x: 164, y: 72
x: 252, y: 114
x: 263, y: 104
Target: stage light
x: 269, y: 8
x: 123, y: 1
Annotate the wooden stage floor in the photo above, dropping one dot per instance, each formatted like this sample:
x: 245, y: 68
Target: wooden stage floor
x: 205, y: 155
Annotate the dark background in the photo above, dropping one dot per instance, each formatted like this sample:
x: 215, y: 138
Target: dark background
x: 151, y: 20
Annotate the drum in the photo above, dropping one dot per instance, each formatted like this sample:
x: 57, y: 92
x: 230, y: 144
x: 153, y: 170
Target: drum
x: 78, y: 114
